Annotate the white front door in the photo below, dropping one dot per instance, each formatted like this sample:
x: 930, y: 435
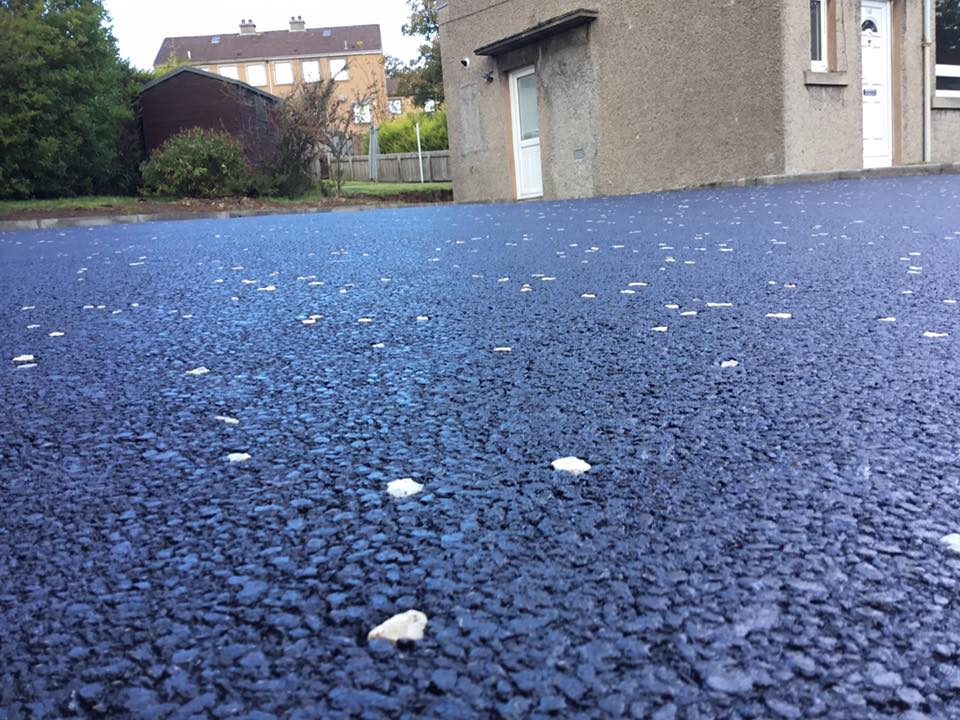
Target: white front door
x: 876, y: 57
x: 526, y: 133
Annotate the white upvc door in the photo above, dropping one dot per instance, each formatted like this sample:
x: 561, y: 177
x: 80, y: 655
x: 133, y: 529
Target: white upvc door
x: 876, y: 57
x: 526, y: 133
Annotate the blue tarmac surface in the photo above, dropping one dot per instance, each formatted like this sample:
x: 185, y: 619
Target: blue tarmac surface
x: 760, y: 539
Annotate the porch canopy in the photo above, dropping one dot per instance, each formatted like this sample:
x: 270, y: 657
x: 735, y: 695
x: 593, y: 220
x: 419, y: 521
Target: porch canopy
x: 538, y: 32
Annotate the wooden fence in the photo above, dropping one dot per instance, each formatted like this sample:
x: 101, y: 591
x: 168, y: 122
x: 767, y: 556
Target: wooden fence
x: 400, y: 167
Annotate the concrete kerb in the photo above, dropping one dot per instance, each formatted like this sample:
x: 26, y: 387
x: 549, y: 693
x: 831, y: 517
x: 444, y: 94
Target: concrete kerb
x: 104, y: 220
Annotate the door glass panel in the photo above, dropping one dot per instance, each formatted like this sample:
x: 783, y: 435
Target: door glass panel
x: 527, y: 100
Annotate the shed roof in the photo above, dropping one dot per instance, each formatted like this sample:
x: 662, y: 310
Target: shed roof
x: 212, y: 76
x: 273, y: 43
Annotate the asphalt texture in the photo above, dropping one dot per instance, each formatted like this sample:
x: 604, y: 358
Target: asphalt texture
x: 752, y: 540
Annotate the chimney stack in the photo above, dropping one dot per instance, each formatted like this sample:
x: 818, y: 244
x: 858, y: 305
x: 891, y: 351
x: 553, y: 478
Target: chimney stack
x: 247, y: 27
x: 297, y: 24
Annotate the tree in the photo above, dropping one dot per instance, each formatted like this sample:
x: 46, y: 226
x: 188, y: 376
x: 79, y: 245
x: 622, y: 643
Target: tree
x: 65, y: 101
x: 424, y: 79
x: 172, y: 63
x: 317, y: 118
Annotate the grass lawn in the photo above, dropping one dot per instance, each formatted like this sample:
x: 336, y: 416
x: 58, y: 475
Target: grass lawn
x: 64, y: 207
x: 8, y: 207
x: 386, y: 188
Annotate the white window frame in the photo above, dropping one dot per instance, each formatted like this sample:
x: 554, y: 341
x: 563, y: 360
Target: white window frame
x: 341, y: 72
x: 234, y: 73
x: 255, y: 66
x: 395, y: 106
x: 823, y: 64
x: 951, y: 71
x: 944, y: 71
x: 314, y: 76
x: 276, y: 75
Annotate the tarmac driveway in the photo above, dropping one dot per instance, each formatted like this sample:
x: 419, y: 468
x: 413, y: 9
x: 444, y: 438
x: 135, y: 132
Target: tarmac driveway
x: 765, y: 383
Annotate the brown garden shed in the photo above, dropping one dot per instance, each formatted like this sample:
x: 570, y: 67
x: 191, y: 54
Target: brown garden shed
x: 188, y: 97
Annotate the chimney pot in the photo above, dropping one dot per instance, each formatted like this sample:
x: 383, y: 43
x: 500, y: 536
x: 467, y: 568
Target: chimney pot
x: 297, y: 24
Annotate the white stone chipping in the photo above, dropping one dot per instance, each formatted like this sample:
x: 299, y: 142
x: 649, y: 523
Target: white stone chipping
x: 780, y: 316
x: 729, y: 363
x: 935, y: 335
x: 237, y: 457
x: 226, y: 419
x: 408, y: 625
x: 198, y: 371
x: 23, y: 358
x: 404, y: 487
x: 952, y: 541
x: 572, y: 465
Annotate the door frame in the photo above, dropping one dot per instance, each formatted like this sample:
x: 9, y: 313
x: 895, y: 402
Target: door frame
x: 887, y: 19
x: 515, y: 75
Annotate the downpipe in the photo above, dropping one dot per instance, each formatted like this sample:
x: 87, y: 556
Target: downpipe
x: 927, y: 81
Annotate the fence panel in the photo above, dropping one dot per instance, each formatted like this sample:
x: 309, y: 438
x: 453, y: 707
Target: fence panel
x: 398, y: 167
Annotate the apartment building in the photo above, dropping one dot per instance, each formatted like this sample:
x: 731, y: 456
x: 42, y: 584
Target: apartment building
x: 276, y: 60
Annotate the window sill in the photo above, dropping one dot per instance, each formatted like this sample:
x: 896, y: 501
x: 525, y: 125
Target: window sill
x: 946, y: 103
x: 835, y: 79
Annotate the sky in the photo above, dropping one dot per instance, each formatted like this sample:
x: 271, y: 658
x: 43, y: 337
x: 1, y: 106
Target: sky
x: 141, y: 26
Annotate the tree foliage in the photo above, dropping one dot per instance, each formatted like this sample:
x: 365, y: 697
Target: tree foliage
x: 423, y: 78
x: 400, y: 135
x: 65, y: 101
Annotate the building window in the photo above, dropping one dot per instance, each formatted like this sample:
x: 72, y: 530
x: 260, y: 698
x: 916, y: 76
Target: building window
x: 338, y: 70
x: 948, y: 48
x: 430, y: 106
x: 283, y: 73
x: 257, y: 74
x: 229, y: 71
x: 395, y: 107
x: 361, y: 113
x: 311, y: 71
x: 819, y: 36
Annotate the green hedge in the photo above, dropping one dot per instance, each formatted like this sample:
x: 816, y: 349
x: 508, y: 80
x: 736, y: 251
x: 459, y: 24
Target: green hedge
x: 400, y: 135
x: 198, y: 163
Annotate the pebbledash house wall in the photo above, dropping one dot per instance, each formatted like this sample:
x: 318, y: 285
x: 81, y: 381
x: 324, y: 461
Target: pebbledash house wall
x: 655, y: 95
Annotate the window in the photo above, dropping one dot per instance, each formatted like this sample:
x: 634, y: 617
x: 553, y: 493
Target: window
x: 205, y: 68
x: 229, y: 71
x: 361, y: 113
x: 395, y: 107
x: 430, y: 106
x: 283, y: 73
x: 819, y: 36
x: 215, y: 40
x: 257, y: 74
x: 948, y: 48
x: 311, y: 71
x: 338, y: 70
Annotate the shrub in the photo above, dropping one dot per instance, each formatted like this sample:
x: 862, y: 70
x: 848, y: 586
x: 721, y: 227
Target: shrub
x: 400, y: 135
x: 198, y: 163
